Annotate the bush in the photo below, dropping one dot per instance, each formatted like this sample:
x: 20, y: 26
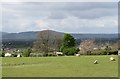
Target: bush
x: 104, y: 52
x: 70, y: 51
x: 50, y: 54
x: 88, y: 52
x: 96, y: 52
x: 26, y: 52
x: 3, y: 54
x: 14, y: 55
x: 113, y: 53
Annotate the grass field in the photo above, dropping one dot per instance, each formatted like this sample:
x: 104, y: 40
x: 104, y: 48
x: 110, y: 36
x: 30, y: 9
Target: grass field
x: 60, y: 67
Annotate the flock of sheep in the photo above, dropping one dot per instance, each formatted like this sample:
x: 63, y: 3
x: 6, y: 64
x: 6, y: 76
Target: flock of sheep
x: 95, y: 62
x: 60, y: 53
x: 111, y: 59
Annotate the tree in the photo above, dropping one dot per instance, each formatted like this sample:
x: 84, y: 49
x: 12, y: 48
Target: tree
x: 115, y: 46
x: 47, y: 41
x: 68, y: 45
x: 57, y: 43
x: 87, y: 46
x: 68, y: 40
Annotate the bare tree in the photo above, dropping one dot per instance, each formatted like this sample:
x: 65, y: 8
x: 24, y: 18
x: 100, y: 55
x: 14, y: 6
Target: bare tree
x: 87, y: 46
x: 47, y: 41
x: 115, y: 46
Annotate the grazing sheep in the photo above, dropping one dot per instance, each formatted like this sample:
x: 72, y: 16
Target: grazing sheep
x: 77, y: 54
x: 18, y: 55
x: 112, y: 59
x: 96, y: 62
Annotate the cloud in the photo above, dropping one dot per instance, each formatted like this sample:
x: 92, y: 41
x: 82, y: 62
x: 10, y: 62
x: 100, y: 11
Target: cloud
x: 59, y: 1
x: 65, y: 16
x: 61, y: 10
x: 75, y: 24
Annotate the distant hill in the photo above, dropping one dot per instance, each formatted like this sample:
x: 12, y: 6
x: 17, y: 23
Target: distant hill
x: 20, y: 36
x: 78, y: 36
x: 32, y: 35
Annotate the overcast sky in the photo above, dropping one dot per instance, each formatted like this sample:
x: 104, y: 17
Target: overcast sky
x: 70, y: 17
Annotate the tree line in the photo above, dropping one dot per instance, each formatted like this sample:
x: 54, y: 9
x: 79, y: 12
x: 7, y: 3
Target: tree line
x: 47, y: 43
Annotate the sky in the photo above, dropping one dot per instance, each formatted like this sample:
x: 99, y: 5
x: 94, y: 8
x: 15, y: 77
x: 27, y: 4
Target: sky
x: 70, y: 17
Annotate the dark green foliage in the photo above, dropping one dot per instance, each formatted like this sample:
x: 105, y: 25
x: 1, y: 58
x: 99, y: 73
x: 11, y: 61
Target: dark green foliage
x: 106, y: 51
x: 70, y: 50
x: 68, y: 40
x: 3, y: 53
x: 17, y: 44
x: 68, y: 45
x: 113, y: 53
x: 15, y: 55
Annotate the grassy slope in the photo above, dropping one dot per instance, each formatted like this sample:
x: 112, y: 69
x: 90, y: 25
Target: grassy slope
x: 60, y: 67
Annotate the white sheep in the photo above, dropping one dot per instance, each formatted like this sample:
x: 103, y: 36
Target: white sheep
x: 77, y: 54
x: 96, y: 62
x: 112, y: 59
x: 18, y: 55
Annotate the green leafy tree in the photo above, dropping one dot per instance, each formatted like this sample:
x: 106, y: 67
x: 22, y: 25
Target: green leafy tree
x: 68, y: 40
x: 68, y: 45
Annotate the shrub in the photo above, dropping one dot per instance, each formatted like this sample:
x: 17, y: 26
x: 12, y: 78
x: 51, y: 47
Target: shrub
x: 104, y: 52
x: 113, y: 53
x: 26, y: 52
x: 3, y: 54
x: 70, y: 51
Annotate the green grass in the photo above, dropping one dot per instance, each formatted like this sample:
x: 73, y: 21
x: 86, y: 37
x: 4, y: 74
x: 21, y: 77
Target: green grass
x: 60, y: 67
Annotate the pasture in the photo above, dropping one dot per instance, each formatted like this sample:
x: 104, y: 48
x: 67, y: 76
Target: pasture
x: 64, y: 66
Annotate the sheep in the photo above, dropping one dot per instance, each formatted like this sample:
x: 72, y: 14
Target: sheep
x: 77, y: 54
x: 112, y: 59
x: 18, y: 55
x: 96, y: 62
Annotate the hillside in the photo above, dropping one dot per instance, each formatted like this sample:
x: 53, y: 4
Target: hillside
x: 32, y: 35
